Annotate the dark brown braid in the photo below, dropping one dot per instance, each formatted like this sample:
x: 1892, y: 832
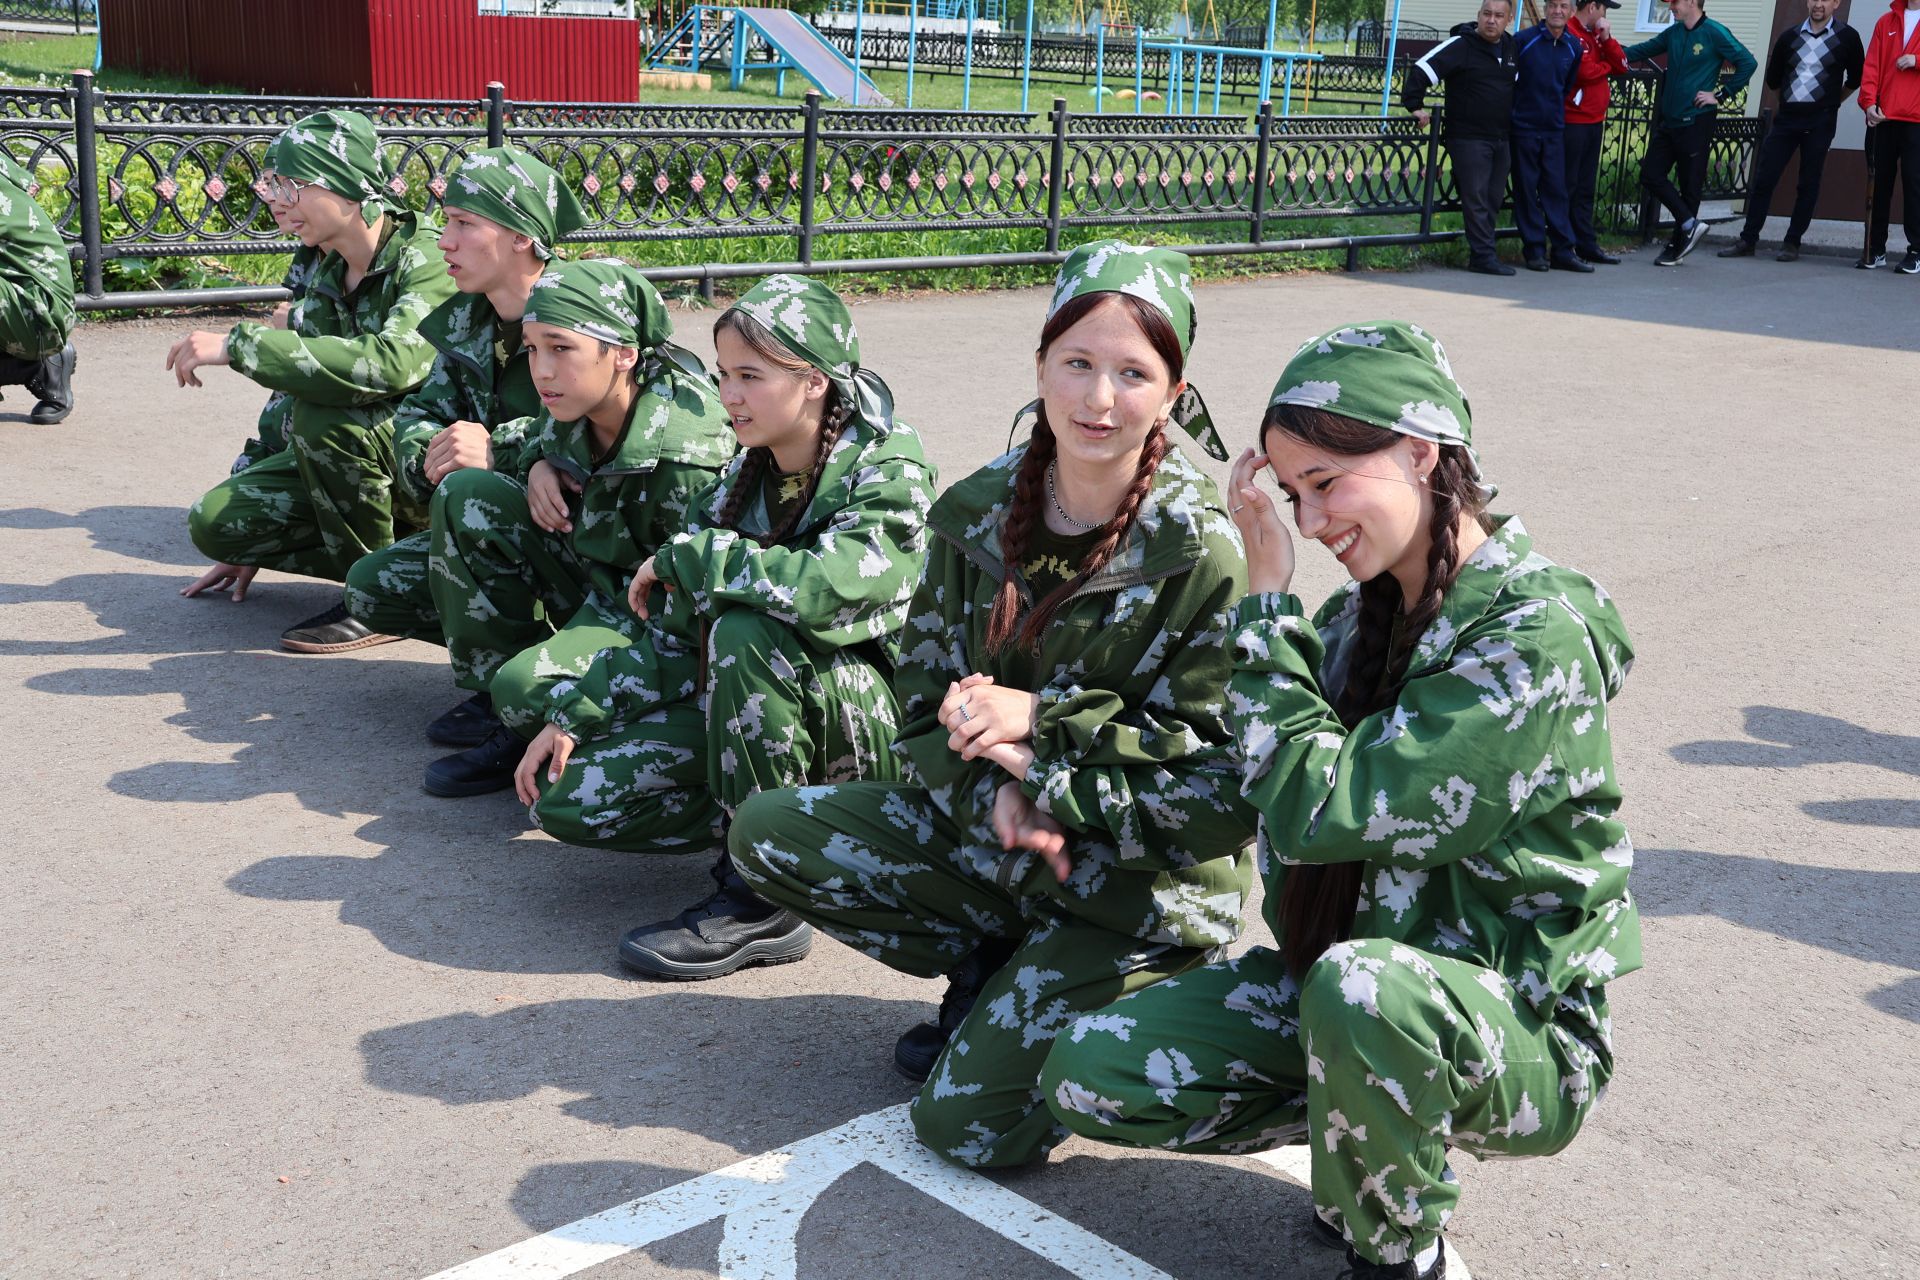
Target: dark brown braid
x: 835, y: 416
x: 1028, y: 505
x: 1317, y: 903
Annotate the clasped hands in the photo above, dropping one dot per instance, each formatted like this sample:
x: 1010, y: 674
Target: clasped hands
x: 985, y: 721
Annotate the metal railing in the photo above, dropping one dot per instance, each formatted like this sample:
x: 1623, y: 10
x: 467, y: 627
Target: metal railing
x: 80, y: 13
x: 153, y: 176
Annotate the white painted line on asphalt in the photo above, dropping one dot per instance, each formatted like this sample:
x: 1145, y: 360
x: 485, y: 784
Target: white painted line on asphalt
x: 761, y: 1201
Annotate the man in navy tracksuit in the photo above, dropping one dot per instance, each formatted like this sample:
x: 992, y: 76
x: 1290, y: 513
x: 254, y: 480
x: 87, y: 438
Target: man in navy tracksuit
x: 1548, y: 56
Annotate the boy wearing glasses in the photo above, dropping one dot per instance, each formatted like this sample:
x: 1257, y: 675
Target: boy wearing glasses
x: 314, y: 491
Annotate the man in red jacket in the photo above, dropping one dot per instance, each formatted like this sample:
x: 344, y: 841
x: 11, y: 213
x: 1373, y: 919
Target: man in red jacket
x: 1587, y: 101
x: 1890, y: 95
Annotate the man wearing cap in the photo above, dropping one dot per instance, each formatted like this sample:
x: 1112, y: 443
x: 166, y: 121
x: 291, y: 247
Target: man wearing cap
x: 1548, y: 58
x: 1477, y: 62
x: 1814, y: 67
x: 314, y: 491
x: 504, y: 211
x: 1705, y: 66
x: 1601, y: 58
x: 36, y: 299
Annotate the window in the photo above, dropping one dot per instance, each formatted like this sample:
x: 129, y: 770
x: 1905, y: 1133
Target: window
x: 1652, y: 15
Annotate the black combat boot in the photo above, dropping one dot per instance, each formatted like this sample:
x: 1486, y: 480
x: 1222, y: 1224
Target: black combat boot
x: 732, y: 928
x: 919, y: 1048
x: 52, y: 385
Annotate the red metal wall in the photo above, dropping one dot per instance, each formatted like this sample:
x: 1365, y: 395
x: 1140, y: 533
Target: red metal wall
x: 374, y: 48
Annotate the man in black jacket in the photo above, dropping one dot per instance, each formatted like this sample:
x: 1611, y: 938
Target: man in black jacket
x: 1814, y: 67
x: 1478, y: 65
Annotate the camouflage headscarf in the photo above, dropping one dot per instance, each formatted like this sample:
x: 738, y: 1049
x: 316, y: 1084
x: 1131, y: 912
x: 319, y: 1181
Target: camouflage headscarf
x: 810, y: 320
x: 1389, y: 374
x: 1163, y: 279
x: 604, y: 298
x: 340, y: 151
x: 510, y: 187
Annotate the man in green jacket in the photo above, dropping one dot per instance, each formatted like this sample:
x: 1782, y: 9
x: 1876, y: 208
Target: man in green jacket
x: 314, y: 492
x: 1705, y: 66
x: 36, y: 299
x: 504, y: 211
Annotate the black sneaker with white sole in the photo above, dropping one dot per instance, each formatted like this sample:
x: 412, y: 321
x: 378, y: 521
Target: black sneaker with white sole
x: 731, y: 929
x: 1871, y: 262
x: 1910, y: 265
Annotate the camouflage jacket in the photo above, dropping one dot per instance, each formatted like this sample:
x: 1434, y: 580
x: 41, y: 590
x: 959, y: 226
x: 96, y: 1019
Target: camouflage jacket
x: 346, y: 350
x: 467, y: 384
x: 36, y: 312
x: 1132, y: 747
x: 841, y: 578
x: 1483, y: 801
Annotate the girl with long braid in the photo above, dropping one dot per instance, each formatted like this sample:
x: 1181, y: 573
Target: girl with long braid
x: 1445, y: 873
x: 791, y: 579
x: 1070, y: 828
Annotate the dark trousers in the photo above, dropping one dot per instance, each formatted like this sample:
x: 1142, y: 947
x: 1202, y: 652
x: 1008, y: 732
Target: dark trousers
x: 1480, y: 176
x: 1896, y: 157
x: 1683, y: 152
x: 1540, y: 192
x: 1809, y: 134
x: 1582, y: 146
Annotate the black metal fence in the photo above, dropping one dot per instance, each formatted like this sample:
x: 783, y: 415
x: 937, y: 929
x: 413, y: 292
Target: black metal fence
x: 150, y: 176
x: 78, y: 13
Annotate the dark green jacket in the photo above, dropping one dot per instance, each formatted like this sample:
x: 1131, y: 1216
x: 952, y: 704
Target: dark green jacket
x: 1694, y: 60
x: 36, y: 277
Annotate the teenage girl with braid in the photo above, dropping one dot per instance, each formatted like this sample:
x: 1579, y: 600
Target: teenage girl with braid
x: 1070, y: 828
x: 1445, y: 872
x: 771, y: 663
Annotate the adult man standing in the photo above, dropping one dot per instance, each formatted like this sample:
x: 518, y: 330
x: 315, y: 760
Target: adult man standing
x: 1890, y: 95
x: 36, y: 299
x: 504, y: 211
x: 314, y: 492
x: 1601, y: 58
x: 1696, y: 48
x: 1477, y: 63
x: 1814, y: 67
x: 1548, y: 57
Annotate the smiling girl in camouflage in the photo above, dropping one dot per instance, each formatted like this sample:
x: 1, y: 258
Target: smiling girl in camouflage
x: 793, y: 571
x: 1445, y: 874
x: 1071, y: 829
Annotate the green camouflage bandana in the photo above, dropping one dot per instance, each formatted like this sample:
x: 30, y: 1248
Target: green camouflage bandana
x: 810, y: 320
x: 1164, y: 280
x: 1389, y: 374
x: 340, y: 151
x: 507, y: 186
x: 603, y: 298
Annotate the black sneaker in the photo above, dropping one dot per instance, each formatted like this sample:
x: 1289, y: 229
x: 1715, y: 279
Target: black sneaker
x: 1696, y: 231
x: 1358, y: 1268
x: 467, y: 725
x: 1910, y: 265
x: 1872, y: 262
x: 331, y: 632
x: 732, y: 929
x: 1738, y: 249
x: 1598, y: 257
x: 915, y: 1052
x: 1495, y: 268
x: 1669, y: 257
x: 52, y: 385
x: 478, y: 770
x: 1789, y: 252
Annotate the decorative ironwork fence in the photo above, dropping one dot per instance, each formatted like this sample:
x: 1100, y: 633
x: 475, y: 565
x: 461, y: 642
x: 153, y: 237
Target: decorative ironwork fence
x: 146, y: 176
x: 80, y: 13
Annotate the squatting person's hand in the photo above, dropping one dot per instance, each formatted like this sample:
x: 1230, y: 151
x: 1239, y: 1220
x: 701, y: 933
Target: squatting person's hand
x: 644, y: 579
x: 1269, y: 545
x: 552, y: 742
x: 547, y: 489
x: 221, y: 577
x: 458, y: 447
x: 188, y: 354
x: 1020, y: 825
x: 979, y: 714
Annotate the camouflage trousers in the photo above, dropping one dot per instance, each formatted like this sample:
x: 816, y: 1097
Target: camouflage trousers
x: 881, y: 868
x: 777, y: 713
x: 1381, y: 1059
x: 314, y: 508
x: 32, y: 326
x: 387, y: 591
x: 497, y: 581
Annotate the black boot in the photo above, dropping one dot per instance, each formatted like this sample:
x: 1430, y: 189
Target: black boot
x: 1358, y: 1268
x: 52, y: 385
x: 478, y: 770
x: 733, y: 928
x: 467, y: 725
x: 915, y: 1052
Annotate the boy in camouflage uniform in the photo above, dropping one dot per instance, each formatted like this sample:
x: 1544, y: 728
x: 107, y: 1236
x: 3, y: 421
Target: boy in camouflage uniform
x: 36, y: 299
x: 632, y: 432
x: 795, y: 572
x: 314, y: 491
x: 1102, y: 851
x: 1466, y: 1005
x: 504, y: 211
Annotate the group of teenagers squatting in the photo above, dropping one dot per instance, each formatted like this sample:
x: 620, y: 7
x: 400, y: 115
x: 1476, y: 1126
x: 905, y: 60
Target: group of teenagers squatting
x: 1020, y: 735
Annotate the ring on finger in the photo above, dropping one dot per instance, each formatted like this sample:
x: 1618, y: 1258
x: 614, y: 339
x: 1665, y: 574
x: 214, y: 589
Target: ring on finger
x: 965, y: 715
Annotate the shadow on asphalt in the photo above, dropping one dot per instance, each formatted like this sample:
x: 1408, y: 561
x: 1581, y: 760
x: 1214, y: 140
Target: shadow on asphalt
x: 1868, y: 915
x: 147, y: 614
x: 155, y: 535
x: 1786, y: 739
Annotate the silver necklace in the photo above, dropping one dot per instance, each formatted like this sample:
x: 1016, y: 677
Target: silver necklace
x: 1053, y: 496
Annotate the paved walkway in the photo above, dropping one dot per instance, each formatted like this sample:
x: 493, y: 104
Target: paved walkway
x: 269, y: 1010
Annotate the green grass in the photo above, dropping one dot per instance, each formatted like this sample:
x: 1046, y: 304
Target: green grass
x: 48, y: 62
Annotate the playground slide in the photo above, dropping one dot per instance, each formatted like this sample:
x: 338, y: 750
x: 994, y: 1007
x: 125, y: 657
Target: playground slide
x: 817, y: 60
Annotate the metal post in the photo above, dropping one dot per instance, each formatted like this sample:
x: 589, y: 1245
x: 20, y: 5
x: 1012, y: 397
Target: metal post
x: 1393, y: 43
x: 76, y: 17
x: 1100, y: 66
x: 1266, y: 64
x: 693, y: 50
x: 859, y: 24
x: 1286, y: 101
x: 1219, y: 74
x: 966, y: 85
x: 1139, y: 67
x: 1026, y: 65
x: 1056, y: 173
x: 1431, y: 178
x: 88, y: 161
x: 913, y: 45
x: 1175, y: 62
x: 496, y: 114
x: 1262, y: 158
x: 809, y: 169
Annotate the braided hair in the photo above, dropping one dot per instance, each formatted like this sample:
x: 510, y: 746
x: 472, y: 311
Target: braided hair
x: 1005, y: 626
x: 1317, y: 903
x: 833, y: 422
